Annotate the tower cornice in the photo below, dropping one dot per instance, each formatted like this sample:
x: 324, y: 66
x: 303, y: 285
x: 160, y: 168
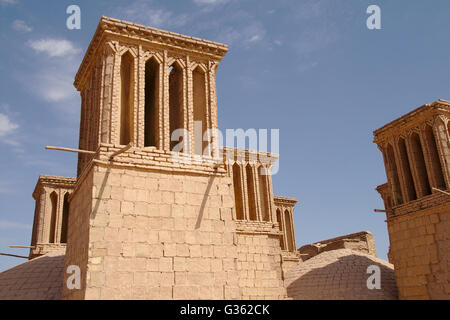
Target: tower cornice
x: 412, y: 119
x: 116, y: 29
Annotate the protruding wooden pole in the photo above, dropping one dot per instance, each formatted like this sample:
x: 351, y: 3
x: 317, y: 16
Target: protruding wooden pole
x: 25, y: 247
x: 441, y: 191
x: 69, y: 150
x: 128, y: 146
x: 12, y: 255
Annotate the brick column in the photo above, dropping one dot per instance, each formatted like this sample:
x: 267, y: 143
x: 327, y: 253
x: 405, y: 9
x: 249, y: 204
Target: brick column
x: 259, y: 208
x: 190, y: 107
x: 432, y: 159
x: 107, y: 92
x: 115, y: 108
x: 401, y: 169
x: 165, y: 105
x: 212, y: 105
x: 41, y: 215
x: 271, y: 207
x: 59, y: 213
x: 294, y: 241
x: 186, y: 109
x: 413, y: 154
x: 246, y: 207
x: 442, y: 134
x: 283, y: 228
x: 140, y: 105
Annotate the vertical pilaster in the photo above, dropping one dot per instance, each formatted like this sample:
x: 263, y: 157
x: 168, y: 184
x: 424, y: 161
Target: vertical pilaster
x: 186, y: 108
x: 190, y: 107
x: 401, y: 165
x: 41, y: 219
x: 59, y: 210
x: 165, y: 106
x: 160, y: 140
x: 107, y: 92
x: 140, y: 105
x: 47, y: 217
x: 245, y: 191
x: 442, y: 134
x: 212, y: 106
x: 294, y: 242
x: 283, y: 224
x: 135, y: 92
x: 259, y: 208
x: 426, y: 155
x: 413, y: 154
x: 115, y: 105
x: 427, y: 146
x: 413, y: 167
x: 270, y: 196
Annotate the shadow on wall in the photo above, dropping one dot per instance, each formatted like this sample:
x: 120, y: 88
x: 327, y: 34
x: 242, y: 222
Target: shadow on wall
x: 327, y: 277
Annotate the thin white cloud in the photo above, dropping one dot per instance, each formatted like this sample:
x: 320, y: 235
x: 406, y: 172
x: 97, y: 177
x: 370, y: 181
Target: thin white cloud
x: 209, y: 2
x: 54, y: 47
x: 4, y: 224
x: 234, y: 26
x: 52, y: 80
x: 21, y: 26
x: 6, y: 2
x: 243, y: 33
x: 56, y: 85
x: 6, y: 126
x: 145, y: 13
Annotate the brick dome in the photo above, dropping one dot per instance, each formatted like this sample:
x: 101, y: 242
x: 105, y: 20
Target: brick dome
x: 37, y: 279
x: 339, y: 274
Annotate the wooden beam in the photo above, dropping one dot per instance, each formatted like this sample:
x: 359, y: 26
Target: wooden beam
x: 128, y: 146
x: 70, y: 150
x: 441, y: 191
x: 26, y: 247
x: 13, y: 255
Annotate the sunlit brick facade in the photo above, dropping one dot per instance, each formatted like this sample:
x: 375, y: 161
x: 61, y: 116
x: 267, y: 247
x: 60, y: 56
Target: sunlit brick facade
x: 416, y: 152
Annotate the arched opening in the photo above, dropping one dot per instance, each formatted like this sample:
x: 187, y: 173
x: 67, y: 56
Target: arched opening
x: 65, y: 219
x: 176, y: 100
x: 54, y: 211
x: 151, y: 125
x: 419, y: 161
x: 251, y: 193
x: 436, y: 167
x: 394, y: 177
x: 237, y: 183
x: 199, y: 100
x: 126, y: 98
x: 263, y: 192
x: 410, y: 189
x: 280, y: 226
x: 288, y: 232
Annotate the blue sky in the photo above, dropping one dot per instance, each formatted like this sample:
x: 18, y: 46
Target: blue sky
x: 309, y: 68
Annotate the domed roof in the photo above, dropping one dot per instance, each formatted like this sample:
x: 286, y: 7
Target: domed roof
x: 37, y: 279
x: 340, y: 274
